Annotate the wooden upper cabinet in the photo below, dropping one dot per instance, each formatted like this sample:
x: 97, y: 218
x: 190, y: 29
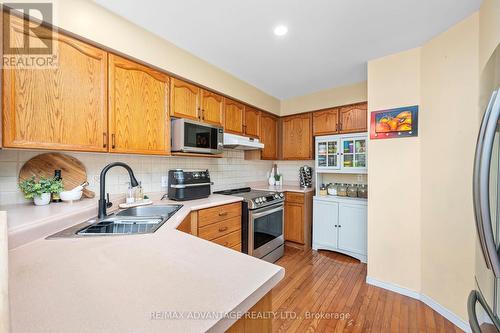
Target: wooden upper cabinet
x: 60, y: 108
x: 212, y: 107
x: 233, y: 116
x: 184, y: 100
x: 326, y: 122
x: 269, y: 136
x: 138, y: 108
x: 297, y: 137
x: 252, y: 122
x: 353, y: 118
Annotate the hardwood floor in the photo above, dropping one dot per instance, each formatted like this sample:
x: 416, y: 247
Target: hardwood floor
x: 326, y: 292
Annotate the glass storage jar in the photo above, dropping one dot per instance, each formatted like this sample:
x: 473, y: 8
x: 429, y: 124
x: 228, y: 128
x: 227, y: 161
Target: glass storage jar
x: 342, y: 190
x: 363, y: 191
x: 322, y: 190
x: 352, y: 191
x: 332, y: 189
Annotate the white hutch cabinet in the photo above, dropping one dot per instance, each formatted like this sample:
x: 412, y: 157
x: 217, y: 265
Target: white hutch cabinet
x: 340, y: 223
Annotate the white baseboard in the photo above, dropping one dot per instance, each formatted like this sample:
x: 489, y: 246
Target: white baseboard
x: 456, y: 320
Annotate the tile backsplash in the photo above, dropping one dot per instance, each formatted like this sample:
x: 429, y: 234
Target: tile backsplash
x: 231, y: 171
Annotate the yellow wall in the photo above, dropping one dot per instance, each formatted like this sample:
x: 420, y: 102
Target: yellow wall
x: 489, y: 30
x: 343, y: 95
x: 91, y: 21
x: 394, y: 177
x: 449, y: 123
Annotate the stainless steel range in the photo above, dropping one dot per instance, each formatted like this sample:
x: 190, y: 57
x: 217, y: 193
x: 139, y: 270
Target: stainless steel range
x: 262, y: 222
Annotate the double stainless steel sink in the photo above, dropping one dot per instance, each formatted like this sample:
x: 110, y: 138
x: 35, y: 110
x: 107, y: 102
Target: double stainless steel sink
x: 137, y: 220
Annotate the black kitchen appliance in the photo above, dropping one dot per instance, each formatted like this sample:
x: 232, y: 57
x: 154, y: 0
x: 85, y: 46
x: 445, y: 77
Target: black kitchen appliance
x: 188, y: 184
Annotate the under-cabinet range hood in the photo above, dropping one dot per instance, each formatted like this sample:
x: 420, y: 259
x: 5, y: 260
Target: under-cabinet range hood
x: 234, y: 141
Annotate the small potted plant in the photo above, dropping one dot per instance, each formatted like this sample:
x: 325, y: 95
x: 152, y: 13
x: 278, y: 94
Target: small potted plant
x: 40, y: 191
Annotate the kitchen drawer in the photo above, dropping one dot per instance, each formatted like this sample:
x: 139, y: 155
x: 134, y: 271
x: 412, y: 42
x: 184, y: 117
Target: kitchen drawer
x: 219, y: 229
x: 230, y: 240
x: 237, y: 247
x: 219, y: 213
x: 294, y: 197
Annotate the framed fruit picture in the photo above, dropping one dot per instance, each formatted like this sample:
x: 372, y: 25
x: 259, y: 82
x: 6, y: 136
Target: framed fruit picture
x: 394, y: 123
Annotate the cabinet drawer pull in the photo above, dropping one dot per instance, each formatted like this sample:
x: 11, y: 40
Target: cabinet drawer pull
x: 104, y: 140
x: 221, y: 229
x: 112, y: 141
x: 222, y: 213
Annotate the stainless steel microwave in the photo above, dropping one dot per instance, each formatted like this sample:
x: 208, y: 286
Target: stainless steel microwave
x: 195, y: 137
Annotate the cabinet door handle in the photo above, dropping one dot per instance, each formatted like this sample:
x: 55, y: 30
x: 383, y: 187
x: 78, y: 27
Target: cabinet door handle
x: 221, y: 229
x: 336, y: 127
x: 222, y: 213
x: 199, y: 112
x: 112, y: 141
x: 203, y: 114
x: 104, y: 140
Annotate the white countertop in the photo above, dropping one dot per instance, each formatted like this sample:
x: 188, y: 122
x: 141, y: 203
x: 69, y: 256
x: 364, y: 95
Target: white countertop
x: 336, y: 198
x: 116, y: 283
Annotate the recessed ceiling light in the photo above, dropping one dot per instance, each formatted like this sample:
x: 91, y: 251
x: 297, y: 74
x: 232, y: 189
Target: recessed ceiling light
x: 280, y: 30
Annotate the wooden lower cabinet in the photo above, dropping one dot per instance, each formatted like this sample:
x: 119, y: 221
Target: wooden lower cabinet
x: 220, y: 224
x: 258, y: 320
x: 185, y: 225
x: 298, y: 219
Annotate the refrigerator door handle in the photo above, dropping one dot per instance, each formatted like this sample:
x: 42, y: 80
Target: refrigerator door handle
x: 475, y: 179
x: 485, y: 227
x: 474, y: 298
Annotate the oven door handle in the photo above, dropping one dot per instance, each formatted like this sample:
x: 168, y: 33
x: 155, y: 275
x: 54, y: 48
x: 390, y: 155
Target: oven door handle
x: 266, y: 212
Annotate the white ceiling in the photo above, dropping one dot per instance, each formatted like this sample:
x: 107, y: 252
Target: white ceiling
x: 327, y: 45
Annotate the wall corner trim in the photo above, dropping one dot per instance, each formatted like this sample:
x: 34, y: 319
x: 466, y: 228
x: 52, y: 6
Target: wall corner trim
x: 456, y: 320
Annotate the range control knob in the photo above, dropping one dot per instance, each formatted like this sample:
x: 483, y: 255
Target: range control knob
x: 281, y: 194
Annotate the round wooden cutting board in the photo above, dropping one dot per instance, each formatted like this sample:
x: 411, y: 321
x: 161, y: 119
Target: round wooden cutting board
x: 72, y: 170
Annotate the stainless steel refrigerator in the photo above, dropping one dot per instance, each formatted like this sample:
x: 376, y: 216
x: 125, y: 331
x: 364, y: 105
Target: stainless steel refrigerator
x: 484, y: 301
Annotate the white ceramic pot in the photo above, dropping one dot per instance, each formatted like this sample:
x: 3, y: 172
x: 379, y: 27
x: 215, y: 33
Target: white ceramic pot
x: 42, y: 200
